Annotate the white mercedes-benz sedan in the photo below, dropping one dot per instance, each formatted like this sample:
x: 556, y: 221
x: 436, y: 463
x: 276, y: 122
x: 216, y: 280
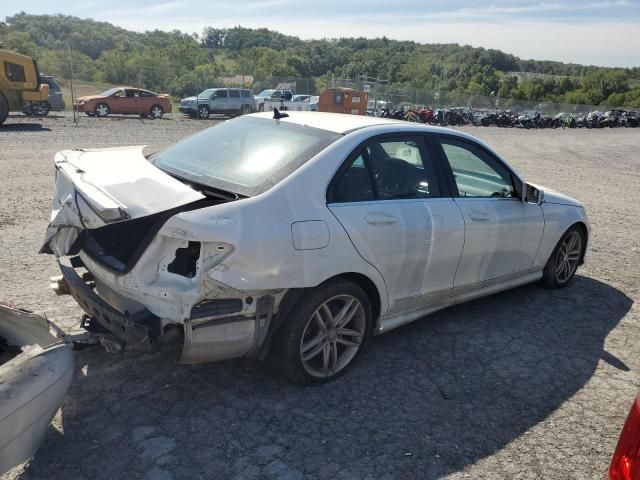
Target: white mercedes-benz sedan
x: 299, y: 236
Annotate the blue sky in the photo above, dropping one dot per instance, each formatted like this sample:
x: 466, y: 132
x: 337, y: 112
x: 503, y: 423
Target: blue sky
x: 600, y: 32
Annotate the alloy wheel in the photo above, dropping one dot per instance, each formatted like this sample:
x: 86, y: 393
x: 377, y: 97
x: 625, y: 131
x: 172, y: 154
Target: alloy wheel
x: 203, y: 112
x: 568, y: 257
x: 156, y: 111
x: 102, y: 110
x: 333, y: 336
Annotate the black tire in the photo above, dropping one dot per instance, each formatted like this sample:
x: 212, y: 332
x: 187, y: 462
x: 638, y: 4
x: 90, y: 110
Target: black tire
x: 41, y: 112
x: 4, y: 109
x: 245, y: 109
x: 203, y: 112
x: 286, y: 352
x: 261, y: 107
x: 102, y: 110
x: 156, y: 112
x: 550, y: 277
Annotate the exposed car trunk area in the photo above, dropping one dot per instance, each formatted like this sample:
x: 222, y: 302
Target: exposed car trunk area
x: 8, y: 351
x: 118, y: 246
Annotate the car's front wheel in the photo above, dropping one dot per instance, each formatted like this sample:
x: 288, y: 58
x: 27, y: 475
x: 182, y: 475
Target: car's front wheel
x: 102, y: 110
x: 565, y: 259
x: 203, y: 111
x: 324, y: 333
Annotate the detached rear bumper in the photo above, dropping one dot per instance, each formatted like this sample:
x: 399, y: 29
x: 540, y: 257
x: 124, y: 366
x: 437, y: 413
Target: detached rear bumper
x: 139, y: 328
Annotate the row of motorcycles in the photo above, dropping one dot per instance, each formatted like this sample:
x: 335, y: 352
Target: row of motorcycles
x: 510, y: 119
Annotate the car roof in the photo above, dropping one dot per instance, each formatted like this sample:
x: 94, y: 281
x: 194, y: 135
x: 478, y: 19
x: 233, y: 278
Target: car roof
x: 332, y: 122
x: 344, y: 123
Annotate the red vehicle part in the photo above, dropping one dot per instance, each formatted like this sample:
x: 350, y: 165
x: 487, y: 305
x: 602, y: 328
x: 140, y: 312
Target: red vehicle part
x: 625, y: 464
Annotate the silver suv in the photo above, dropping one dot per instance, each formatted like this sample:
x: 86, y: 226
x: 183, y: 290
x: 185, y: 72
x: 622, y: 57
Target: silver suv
x: 227, y: 101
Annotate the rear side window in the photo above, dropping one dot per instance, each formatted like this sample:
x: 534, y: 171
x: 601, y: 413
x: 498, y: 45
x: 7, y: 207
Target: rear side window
x: 234, y: 93
x: 388, y: 169
x: 246, y: 93
x: 14, y: 72
x: 355, y: 183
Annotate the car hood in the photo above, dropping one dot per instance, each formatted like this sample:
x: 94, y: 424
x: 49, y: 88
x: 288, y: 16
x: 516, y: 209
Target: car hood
x: 88, y: 98
x: 100, y: 186
x: 193, y: 98
x: 551, y: 196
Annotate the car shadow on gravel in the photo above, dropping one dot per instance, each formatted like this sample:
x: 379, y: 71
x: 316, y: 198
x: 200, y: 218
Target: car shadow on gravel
x: 24, y: 127
x: 424, y: 401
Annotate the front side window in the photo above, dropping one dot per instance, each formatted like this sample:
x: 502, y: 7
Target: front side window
x: 388, y: 169
x: 477, y: 173
x: 220, y: 94
x: 14, y: 72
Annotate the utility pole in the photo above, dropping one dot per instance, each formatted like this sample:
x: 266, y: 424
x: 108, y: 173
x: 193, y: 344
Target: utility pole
x: 73, y: 98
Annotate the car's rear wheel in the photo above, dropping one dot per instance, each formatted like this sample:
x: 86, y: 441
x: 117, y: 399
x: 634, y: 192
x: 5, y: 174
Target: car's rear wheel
x: 156, y: 112
x: 565, y: 259
x: 4, y: 109
x: 40, y: 109
x: 102, y: 110
x: 245, y: 109
x: 203, y: 111
x: 324, y: 334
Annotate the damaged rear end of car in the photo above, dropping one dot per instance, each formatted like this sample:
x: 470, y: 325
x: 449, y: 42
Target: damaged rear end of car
x: 142, y: 242
x: 137, y: 278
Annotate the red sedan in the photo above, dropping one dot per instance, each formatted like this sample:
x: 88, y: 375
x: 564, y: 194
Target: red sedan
x: 125, y: 100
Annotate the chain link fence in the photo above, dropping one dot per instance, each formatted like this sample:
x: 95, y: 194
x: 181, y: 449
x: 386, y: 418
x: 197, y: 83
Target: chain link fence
x: 382, y: 93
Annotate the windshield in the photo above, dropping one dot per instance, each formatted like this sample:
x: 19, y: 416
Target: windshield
x: 111, y: 91
x: 266, y: 93
x: 206, y: 93
x: 246, y: 155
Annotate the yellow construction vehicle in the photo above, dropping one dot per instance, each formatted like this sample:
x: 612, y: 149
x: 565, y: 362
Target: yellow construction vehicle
x: 20, y: 86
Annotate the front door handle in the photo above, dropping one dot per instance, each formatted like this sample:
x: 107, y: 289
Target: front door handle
x: 478, y: 216
x: 380, y: 219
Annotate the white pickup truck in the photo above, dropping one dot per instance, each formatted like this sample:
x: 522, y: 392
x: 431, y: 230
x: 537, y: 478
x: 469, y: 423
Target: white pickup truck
x: 282, y: 100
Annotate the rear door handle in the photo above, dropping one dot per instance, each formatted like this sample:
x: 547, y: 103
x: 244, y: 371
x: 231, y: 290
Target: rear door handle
x: 380, y: 219
x: 478, y: 216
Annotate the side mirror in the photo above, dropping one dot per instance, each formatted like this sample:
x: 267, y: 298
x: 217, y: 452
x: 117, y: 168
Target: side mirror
x: 533, y: 194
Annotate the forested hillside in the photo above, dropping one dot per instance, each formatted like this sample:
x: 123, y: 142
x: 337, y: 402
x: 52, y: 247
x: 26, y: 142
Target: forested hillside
x: 174, y: 61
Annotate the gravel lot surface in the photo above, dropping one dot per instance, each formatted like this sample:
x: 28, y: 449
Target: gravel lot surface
x: 530, y: 383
